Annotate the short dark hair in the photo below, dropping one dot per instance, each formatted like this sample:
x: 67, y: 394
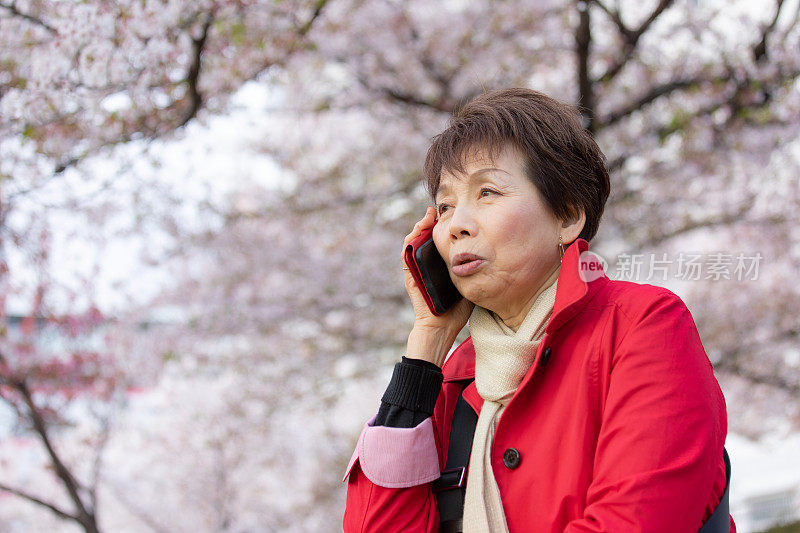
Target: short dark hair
x: 562, y: 159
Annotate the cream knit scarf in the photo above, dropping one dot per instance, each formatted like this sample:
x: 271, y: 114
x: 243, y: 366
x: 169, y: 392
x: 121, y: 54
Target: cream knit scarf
x: 502, y: 358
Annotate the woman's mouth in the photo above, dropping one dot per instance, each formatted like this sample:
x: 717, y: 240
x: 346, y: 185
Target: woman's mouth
x: 466, y: 264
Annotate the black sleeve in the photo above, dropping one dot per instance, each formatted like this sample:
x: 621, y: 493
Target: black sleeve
x: 411, y: 395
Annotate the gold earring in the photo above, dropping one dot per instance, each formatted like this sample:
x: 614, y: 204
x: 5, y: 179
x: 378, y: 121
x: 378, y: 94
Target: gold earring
x: 561, y: 247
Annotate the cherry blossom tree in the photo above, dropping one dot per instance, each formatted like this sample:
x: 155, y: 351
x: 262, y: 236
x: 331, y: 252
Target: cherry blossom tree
x: 694, y: 103
x: 38, y: 384
x: 76, y: 80
x: 292, y: 306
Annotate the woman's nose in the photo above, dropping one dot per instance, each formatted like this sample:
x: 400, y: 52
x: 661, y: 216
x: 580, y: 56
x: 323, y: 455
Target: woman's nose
x: 462, y: 223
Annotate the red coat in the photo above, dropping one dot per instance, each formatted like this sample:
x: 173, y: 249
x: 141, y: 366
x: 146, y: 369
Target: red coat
x: 620, y: 429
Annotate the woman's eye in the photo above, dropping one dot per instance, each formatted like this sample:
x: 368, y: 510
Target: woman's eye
x: 441, y: 208
x: 486, y: 189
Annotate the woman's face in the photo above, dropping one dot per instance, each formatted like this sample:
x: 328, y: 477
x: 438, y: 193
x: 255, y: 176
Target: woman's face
x: 496, y: 214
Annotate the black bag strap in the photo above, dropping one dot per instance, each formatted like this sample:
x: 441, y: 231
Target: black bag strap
x: 451, y: 486
x: 720, y: 521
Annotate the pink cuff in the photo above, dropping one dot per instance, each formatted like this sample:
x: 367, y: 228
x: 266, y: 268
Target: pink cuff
x: 397, y: 457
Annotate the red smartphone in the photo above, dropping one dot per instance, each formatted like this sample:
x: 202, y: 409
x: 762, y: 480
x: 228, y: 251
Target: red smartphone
x: 431, y: 274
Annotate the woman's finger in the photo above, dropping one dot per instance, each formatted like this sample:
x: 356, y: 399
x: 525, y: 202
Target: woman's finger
x: 424, y: 223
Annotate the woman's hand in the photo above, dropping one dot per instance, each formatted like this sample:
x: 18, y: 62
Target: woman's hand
x: 432, y: 336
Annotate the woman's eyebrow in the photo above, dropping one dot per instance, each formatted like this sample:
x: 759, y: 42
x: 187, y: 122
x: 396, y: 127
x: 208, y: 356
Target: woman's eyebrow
x: 445, y: 188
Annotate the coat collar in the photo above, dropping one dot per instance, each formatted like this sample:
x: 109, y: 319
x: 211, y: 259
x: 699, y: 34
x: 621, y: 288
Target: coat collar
x: 580, y: 278
x: 573, y: 292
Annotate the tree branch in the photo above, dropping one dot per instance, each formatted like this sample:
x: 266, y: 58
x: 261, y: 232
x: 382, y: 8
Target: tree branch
x: 31, y: 498
x: 444, y: 101
x: 787, y: 31
x: 734, y: 101
x: 760, y: 49
x: 193, y: 75
x: 98, y: 460
x: 630, y: 37
x: 195, y: 97
x: 141, y: 514
x: 305, y: 28
x: 424, y: 58
x: 730, y: 362
x: 12, y: 8
x: 85, y: 516
x: 773, y: 380
x: 400, y: 96
x: 64, y: 164
x: 723, y: 219
x: 742, y: 102
x: 413, y: 100
x: 616, y: 163
x: 291, y: 205
x: 652, y: 95
x: 301, y: 33
x: 583, y: 43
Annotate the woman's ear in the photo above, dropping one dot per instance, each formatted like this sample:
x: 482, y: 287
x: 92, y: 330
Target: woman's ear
x: 572, y: 227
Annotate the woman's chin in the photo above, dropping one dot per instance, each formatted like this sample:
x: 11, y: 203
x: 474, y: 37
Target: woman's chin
x: 473, y: 294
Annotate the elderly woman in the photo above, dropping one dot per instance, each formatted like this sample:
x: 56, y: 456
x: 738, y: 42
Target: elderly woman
x: 597, y: 408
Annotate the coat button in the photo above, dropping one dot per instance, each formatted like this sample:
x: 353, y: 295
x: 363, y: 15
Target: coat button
x: 546, y: 356
x: 511, y: 458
